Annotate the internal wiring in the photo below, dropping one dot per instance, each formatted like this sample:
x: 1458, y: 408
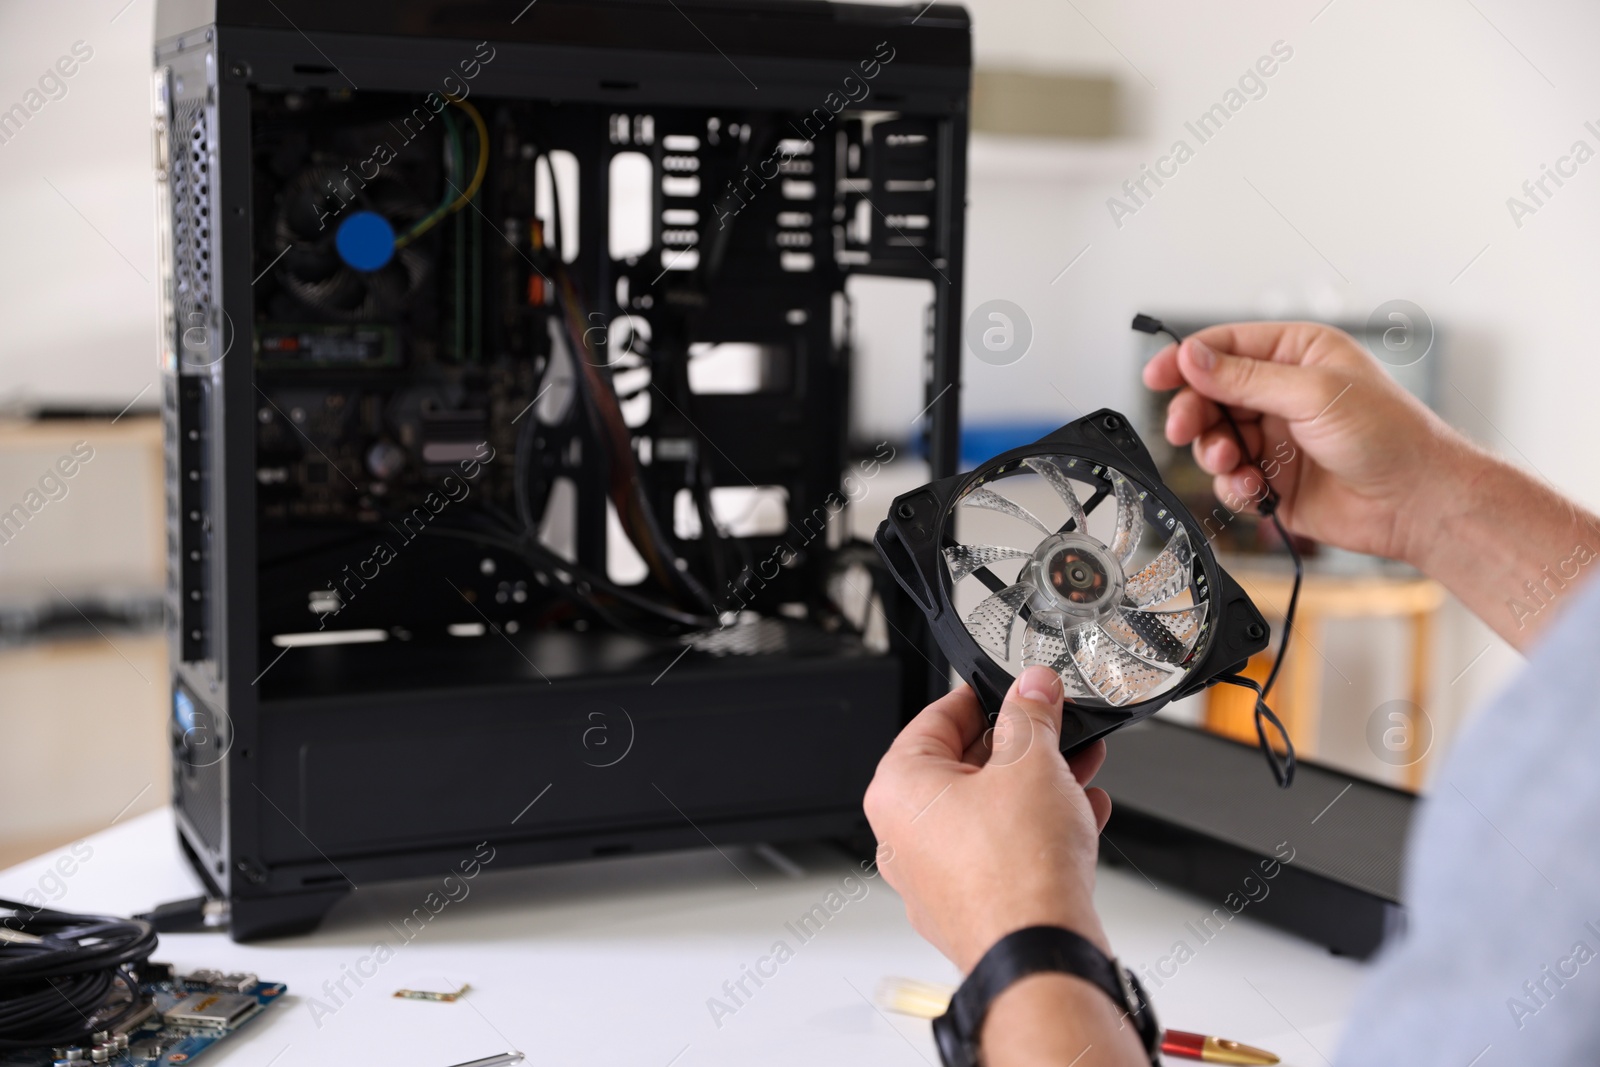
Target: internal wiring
x: 638, y: 519
x: 626, y: 487
x: 691, y: 606
x: 1282, y: 768
x: 581, y: 584
x: 453, y: 203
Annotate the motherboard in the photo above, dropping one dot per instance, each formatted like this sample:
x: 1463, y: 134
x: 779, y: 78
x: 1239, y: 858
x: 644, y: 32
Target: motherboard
x: 178, y: 1018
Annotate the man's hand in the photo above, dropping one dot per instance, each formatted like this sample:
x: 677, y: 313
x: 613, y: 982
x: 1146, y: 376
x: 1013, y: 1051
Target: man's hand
x: 1359, y: 463
x: 1347, y: 449
x: 985, y: 832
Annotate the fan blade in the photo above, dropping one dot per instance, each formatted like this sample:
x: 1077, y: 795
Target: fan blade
x: 993, y: 501
x: 1044, y: 644
x: 964, y: 559
x: 309, y: 263
x: 1117, y: 677
x: 1047, y: 468
x: 1165, y: 576
x: 990, y: 622
x: 1157, y: 636
x: 1129, y: 518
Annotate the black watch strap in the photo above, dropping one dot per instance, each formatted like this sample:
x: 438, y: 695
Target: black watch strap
x: 1031, y: 951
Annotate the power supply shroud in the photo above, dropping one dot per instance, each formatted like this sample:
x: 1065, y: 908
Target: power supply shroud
x: 339, y: 437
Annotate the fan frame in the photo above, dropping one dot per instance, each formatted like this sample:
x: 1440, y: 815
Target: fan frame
x: 912, y: 539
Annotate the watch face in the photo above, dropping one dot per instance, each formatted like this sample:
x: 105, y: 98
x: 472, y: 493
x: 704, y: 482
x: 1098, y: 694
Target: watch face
x: 1138, y: 1007
x: 955, y: 1048
x: 1132, y: 1001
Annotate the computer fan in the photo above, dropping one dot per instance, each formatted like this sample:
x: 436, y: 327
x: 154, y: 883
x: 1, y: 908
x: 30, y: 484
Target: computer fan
x: 340, y: 257
x: 1070, y: 553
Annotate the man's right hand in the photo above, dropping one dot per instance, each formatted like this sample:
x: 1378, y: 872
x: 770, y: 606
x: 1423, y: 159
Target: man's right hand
x: 1346, y: 448
x: 1359, y: 463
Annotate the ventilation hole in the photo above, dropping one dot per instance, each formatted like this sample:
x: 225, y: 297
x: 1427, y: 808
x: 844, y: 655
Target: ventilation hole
x: 740, y: 511
x: 631, y: 178
x: 680, y: 186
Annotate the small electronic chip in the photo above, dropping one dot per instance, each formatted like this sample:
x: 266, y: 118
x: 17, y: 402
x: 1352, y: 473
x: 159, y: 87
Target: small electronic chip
x: 211, y: 1010
x: 217, y: 982
x: 208, y: 981
x: 423, y: 994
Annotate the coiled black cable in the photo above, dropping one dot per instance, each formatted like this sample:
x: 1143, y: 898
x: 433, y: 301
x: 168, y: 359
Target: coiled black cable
x: 61, y: 974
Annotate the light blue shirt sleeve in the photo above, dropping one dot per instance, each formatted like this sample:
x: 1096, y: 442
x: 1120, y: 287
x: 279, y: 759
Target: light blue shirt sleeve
x: 1500, y: 965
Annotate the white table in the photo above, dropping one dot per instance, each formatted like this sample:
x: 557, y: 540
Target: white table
x: 613, y: 962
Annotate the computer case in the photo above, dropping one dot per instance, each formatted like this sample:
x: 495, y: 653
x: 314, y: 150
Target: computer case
x: 471, y: 540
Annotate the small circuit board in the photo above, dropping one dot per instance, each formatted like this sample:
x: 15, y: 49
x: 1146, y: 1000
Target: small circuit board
x: 424, y: 994
x: 179, y: 1018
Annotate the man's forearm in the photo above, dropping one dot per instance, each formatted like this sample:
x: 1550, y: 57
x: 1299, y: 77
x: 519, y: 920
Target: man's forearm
x: 1509, y: 546
x: 1052, y: 1020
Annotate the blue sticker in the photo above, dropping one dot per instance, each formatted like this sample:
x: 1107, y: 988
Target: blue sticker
x: 365, y: 241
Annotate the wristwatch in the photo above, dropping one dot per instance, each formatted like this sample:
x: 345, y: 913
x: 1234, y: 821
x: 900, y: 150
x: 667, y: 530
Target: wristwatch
x: 1031, y: 951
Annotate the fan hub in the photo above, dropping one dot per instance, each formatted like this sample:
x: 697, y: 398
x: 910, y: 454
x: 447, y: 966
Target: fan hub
x: 1077, y: 575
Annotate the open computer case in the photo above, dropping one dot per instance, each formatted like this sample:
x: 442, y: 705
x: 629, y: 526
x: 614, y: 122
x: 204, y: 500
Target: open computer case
x: 452, y: 558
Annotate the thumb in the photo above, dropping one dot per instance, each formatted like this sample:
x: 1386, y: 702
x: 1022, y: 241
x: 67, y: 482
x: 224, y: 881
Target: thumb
x: 1030, y: 719
x: 1292, y: 391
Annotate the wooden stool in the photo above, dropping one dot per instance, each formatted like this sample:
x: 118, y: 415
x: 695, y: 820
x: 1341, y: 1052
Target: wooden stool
x: 1297, y: 697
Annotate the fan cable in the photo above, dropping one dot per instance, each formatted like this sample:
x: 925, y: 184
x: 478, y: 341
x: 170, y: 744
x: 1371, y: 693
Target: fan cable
x: 1282, y: 766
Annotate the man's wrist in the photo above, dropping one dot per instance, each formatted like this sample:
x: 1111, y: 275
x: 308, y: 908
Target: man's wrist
x: 1447, y: 491
x: 1053, y: 1018
x: 1102, y: 999
x: 1086, y: 926
x: 1504, y: 542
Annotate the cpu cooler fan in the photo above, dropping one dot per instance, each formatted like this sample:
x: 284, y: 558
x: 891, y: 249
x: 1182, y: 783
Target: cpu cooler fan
x: 341, y: 258
x: 1070, y: 553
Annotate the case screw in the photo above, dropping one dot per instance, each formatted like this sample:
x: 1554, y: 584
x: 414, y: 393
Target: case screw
x: 1255, y: 631
x: 1112, y: 423
x: 906, y: 511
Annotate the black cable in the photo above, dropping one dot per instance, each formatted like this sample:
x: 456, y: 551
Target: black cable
x: 1282, y: 767
x: 555, y: 208
x: 61, y: 974
x: 713, y: 538
x: 582, y: 583
x: 1282, y: 772
x: 521, y: 472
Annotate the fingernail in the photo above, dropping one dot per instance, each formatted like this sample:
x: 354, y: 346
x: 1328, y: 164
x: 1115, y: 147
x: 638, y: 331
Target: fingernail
x: 1200, y: 353
x: 1041, y: 684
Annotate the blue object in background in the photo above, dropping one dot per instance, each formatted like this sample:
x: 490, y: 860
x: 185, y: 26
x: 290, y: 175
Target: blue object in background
x: 365, y: 240
x: 981, y: 442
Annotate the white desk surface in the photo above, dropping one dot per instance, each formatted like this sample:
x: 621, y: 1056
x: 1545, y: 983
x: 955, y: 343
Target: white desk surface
x: 612, y: 962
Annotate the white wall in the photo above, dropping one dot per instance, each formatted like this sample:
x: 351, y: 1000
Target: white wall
x: 77, y: 262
